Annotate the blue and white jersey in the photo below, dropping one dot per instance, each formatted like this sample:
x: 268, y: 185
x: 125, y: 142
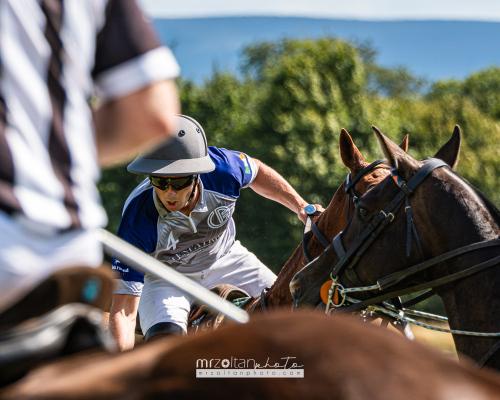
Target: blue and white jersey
x: 186, y: 243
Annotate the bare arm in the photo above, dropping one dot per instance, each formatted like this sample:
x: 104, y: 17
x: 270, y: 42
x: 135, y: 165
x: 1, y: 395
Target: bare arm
x: 122, y: 317
x: 268, y: 183
x: 140, y: 119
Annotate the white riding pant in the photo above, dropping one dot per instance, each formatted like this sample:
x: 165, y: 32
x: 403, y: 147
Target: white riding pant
x: 163, y: 302
x: 27, y: 258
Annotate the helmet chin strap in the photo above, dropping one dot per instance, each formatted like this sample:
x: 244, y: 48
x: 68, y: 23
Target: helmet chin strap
x: 194, y: 188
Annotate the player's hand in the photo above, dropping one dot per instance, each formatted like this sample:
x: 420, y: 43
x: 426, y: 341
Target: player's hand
x: 303, y: 215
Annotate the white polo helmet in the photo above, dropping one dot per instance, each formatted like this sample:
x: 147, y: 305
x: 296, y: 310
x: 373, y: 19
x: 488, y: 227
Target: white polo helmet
x: 184, y: 154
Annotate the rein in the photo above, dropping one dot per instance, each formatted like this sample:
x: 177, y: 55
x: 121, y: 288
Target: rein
x: 348, y: 259
x: 351, y: 192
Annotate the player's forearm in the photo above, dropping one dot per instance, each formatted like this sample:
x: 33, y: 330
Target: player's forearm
x: 139, y: 120
x: 268, y: 183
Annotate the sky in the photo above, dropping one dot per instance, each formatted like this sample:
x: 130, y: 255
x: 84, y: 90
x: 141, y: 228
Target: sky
x: 374, y: 10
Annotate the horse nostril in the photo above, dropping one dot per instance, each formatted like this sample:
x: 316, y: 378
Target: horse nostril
x: 295, y: 288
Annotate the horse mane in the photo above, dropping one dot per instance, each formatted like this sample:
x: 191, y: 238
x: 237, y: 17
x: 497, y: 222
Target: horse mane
x: 492, y: 208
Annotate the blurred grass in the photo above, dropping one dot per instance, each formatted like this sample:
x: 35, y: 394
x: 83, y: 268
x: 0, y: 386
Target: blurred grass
x: 438, y: 340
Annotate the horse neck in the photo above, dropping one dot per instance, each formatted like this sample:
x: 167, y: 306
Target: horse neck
x: 472, y: 303
x: 330, y: 223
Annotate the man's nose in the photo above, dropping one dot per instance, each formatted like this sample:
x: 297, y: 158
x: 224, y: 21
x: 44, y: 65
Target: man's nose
x: 171, y: 191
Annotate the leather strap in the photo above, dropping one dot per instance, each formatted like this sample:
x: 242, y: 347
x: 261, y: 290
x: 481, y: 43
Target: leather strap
x: 419, y: 245
x: 409, y: 224
x: 322, y: 239
x: 365, y: 239
x: 317, y: 233
x: 419, y: 298
x: 350, y: 184
x: 397, y: 303
x: 487, y: 357
x: 254, y: 306
x: 361, y: 173
x: 305, y: 240
x: 263, y: 300
x: 373, y: 229
x: 338, y: 246
x: 396, y: 277
x: 352, y: 276
x: 425, y: 170
x: 428, y: 285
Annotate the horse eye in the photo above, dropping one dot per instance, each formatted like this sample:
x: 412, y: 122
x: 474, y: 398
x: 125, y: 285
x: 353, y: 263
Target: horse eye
x: 363, y: 212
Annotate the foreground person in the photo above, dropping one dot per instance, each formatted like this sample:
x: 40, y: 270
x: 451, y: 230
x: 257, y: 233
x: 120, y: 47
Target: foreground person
x: 182, y: 215
x: 53, y: 56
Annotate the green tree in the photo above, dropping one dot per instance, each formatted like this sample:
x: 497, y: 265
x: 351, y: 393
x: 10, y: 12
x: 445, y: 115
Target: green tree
x: 288, y: 110
x: 483, y: 88
x: 309, y: 90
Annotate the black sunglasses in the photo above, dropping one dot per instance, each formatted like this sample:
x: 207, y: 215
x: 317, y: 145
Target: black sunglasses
x: 179, y: 183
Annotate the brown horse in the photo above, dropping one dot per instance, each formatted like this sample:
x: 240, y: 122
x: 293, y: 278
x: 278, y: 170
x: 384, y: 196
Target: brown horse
x: 330, y: 223
x: 449, y: 214
x: 341, y: 359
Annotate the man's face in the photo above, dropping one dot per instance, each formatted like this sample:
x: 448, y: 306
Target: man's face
x: 172, y: 199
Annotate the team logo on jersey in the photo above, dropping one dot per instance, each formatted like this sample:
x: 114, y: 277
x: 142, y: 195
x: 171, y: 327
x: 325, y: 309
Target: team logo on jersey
x: 244, y: 159
x: 219, y: 217
x: 171, y: 242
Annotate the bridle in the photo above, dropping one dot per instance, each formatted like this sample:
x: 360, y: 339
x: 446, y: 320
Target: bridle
x: 348, y: 259
x: 312, y: 226
x: 350, y: 185
x: 350, y: 189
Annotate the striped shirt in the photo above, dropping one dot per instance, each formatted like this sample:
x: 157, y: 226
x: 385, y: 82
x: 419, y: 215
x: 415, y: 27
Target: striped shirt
x: 54, y: 54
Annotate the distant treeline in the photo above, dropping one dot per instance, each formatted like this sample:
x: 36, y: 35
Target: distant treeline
x: 288, y: 112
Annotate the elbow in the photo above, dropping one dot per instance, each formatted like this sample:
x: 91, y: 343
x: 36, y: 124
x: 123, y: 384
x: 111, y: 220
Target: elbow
x: 158, y: 105
x: 162, y: 119
x: 163, y: 125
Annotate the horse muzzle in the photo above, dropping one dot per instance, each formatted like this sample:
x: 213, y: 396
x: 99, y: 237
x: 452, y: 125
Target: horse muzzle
x: 301, y: 297
x: 295, y: 290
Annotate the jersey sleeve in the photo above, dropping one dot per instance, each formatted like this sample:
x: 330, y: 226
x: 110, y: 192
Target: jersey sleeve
x: 139, y: 228
x: 128, y: 55
x: 234, y: 171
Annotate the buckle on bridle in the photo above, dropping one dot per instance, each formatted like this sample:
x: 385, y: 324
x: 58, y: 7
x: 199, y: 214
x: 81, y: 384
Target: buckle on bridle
x: 386, y: 215
x: 334, y: 291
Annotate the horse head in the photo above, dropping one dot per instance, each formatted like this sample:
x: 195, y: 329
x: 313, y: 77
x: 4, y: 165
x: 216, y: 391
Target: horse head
x: 333, y: 219
x: 306, y: 284
x: 437, y: 213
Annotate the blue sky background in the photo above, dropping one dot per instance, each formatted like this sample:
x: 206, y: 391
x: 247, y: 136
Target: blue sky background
x: 439, y: 39
x: 477, y: 10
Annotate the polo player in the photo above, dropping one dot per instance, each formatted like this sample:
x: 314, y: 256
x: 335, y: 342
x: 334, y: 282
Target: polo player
x: 181, y: 214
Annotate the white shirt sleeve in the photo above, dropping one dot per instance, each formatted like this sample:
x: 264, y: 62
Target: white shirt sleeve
x: 151, y: 67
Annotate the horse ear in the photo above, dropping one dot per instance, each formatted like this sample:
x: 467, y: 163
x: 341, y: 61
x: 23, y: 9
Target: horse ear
x: 396, y: 157
x: 404, y: 144
x: 391, y: 151
x: 450, y: 151
x: 351, y: 156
